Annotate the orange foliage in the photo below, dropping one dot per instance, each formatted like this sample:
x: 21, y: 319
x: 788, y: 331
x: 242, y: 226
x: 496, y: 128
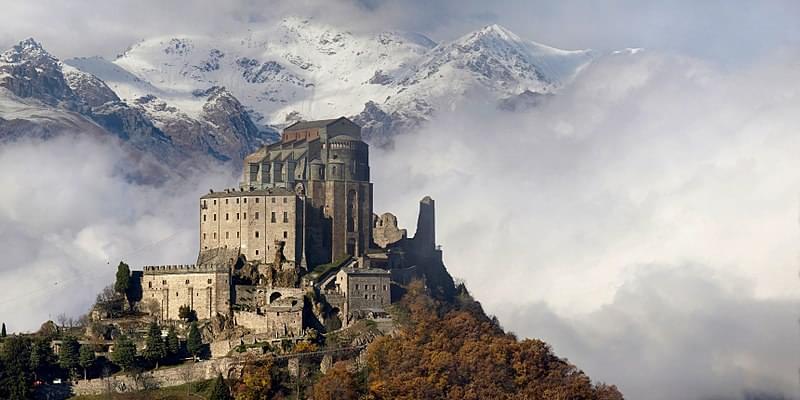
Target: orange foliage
x: 456, y: 352
x: 337, y: 384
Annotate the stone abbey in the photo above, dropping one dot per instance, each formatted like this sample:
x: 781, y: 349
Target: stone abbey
x: 296, y: 245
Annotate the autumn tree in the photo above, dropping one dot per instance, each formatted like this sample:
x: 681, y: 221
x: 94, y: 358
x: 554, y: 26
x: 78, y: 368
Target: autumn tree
x: 449, y: 350
x: 261, y: 380
x: 337, y: 384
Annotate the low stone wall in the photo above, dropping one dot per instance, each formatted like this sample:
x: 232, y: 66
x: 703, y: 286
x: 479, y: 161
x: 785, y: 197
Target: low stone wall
x: 164, y: 377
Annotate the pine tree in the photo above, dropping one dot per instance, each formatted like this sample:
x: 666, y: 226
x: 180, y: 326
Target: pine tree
x: 122, y: 285
x: 172, y: 343
x: 68, y: 357
x: 124, y: 353
x: 155, y: 349
x: 15, y: 371
x: 3, y: 331
x: 220, y: 390
x: 194, y: 343
x: 86, y: 359
x: 41, y: 357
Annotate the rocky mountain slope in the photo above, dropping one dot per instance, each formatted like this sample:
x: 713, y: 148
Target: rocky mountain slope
x: 388, y: 82
x: 191, y: 101
x: 40, y: 97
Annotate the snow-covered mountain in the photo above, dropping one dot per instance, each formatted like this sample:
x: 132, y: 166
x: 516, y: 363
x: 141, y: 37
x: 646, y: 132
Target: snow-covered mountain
x: 41, y: 96
x: 389, y: 82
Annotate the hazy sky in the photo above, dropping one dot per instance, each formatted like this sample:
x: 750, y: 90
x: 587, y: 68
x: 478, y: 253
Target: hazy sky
x: 644, y: 221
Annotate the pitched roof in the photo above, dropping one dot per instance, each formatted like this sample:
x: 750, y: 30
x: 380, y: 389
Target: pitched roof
x: 320, y: 123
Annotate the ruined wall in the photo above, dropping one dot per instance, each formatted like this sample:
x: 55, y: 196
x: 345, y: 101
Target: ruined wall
x: 275, y: 323
x: 205, y: 289
x: 385, y: 230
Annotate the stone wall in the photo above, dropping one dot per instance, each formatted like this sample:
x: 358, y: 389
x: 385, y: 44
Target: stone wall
x: 252, y: 221
x: 385, y: 230
x: 164, y: 377
x: 275, y: 323
x: 205, y: 289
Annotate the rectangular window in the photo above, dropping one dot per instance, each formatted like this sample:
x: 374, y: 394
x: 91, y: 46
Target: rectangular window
x: 215, y: 217
x: 356, y: 286
x: 285, y: 216
x: 204, y: 218
x: 273, y: 217
x: 164, y: 282
x: 237, y: 200
x: 226, y: 217
x: 226, y: 235
x: 244, y: 215
x: 273, y: 200
x: 209, y: 281
x: 384, y: 288
x: 256, y: 214
x: 285, y: 234
x: 373, y: 288
x: 284, y: 200
x: 256, y: 233
x: 237, y: 235
x: 257, y: 200
x: 204, y: 236
x: 237, y: 216
x: 226, y: 201
x: 215, y: 202
x: 215, y: 235
x: 245, y: 200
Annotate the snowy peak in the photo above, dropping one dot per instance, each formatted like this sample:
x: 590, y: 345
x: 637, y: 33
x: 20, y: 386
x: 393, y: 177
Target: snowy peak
x: 26, y: 50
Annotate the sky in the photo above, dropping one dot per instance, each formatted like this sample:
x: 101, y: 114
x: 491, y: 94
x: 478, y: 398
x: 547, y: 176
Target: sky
x: 644, y: 221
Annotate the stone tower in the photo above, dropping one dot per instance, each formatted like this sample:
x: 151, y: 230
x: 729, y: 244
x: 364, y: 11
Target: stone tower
x: 326, y: 164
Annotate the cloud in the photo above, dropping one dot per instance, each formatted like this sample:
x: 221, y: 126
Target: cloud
x: 675, y: 332
x: 729, y: 32
x: 68, y: 215
x: 646, y: 160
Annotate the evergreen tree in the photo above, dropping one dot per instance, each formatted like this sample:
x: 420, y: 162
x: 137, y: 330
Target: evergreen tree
x: 220, y: 390
x: 68, y: 357
x: 86, y: 358
x: 124, y: 353
x: 155, y: 349
x: 16, y: 374
x: 194, y: 343
x: 3, y: 330
x: 173, y: 344
x: 41, y: 356
x: 186, y: 313
x: 122, y: 285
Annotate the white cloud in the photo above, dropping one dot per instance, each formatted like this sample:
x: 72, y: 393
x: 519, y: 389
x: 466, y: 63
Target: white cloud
x: 68, y: 215
x: 645, y: 160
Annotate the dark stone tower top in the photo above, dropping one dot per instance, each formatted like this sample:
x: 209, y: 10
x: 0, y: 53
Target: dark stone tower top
x: 425, y: 237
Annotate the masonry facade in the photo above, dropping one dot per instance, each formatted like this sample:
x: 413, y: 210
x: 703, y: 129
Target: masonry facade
x: 298, y: 232
x: 204, y: 288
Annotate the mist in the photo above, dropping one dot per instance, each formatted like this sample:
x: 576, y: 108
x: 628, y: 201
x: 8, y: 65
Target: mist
x: 643, y: 221
x: 69, y: 215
